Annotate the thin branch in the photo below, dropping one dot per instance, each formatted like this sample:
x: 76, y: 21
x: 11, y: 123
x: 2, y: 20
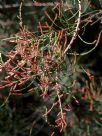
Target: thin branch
x: 87, y: 43
x: 76, y: 30
x: 85, y: 53
x: 36, y: 4
x: 60, y: 105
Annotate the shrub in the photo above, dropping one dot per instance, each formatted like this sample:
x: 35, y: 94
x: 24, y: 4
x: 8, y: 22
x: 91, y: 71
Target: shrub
x: 43, y: 70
